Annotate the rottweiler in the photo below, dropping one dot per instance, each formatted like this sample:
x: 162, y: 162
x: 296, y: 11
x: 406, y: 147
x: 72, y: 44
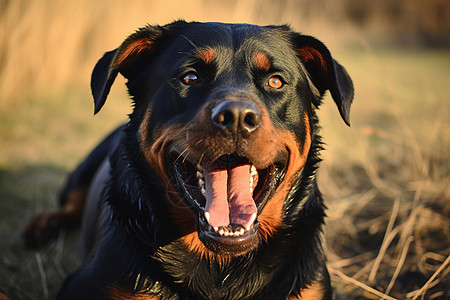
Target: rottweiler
x: 209, y: 191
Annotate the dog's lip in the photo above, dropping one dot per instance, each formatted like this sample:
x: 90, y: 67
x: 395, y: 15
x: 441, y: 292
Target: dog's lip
x: 180, y: 152
x: 228, y: 245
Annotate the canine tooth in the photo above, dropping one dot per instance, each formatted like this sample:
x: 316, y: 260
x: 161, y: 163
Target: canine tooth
x: 207, y: 216
x: 199, y: 175
x: 252, y: 219
x: 241, y: 232
x: 201, y: 183
x: 221, y: 231
x: 204, y: 192
x: 200, y: 168
x: 216, y: 229
x: 253, y: 178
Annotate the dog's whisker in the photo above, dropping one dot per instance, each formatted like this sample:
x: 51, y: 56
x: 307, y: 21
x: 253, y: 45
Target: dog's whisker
x: 182, y: 154
x: 203, y: 155
x: 190, y: 42
x: 199, y: 141
x: 185, y: 156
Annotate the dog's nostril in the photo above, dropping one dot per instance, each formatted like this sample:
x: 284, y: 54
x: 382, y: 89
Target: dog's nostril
x: 251, y: 120
x: 236, y: 115
x: 225, y: 118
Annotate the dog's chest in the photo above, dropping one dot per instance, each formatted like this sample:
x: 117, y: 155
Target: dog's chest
x: 241, y: 279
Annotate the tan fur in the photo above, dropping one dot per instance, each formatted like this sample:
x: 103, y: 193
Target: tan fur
x: 314, y: 291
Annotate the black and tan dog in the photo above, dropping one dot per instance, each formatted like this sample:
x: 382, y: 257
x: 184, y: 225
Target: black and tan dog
x: 209, y: 191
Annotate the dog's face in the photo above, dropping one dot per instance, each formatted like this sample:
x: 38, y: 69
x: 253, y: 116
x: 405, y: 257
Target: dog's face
x: 223, y: 118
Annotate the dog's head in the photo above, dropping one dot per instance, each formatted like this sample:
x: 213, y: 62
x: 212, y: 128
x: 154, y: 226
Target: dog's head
x: 223, y: 117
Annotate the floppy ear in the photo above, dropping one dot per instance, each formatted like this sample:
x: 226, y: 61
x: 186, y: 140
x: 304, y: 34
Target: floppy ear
x: 121, y: 60
x: 325, y: 73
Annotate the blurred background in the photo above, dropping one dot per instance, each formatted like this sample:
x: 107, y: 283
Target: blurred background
x: 385, y: 179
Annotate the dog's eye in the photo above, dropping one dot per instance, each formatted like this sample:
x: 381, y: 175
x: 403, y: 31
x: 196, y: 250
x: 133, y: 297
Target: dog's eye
x: 275, y: 82
x: 190, y: 78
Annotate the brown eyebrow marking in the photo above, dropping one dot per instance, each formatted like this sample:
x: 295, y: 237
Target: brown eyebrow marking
x: 207, y: 55
x: 262, y: 61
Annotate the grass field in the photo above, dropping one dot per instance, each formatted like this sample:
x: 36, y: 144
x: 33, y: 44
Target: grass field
x: 385, y: 179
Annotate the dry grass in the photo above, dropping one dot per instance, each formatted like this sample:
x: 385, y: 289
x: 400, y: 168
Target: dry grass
x: 385, y: 179
x: 388, y: 225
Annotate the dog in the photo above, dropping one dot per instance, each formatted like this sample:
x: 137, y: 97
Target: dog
x: 209, y: 191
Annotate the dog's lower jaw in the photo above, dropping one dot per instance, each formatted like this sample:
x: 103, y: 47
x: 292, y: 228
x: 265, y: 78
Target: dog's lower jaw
x: 228, y: 245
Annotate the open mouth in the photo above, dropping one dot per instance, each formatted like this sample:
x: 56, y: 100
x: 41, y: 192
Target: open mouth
x: 227, y: 195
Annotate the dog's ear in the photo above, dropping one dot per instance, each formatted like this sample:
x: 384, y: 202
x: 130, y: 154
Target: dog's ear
x: 325, y: 73
x: 121, y: 60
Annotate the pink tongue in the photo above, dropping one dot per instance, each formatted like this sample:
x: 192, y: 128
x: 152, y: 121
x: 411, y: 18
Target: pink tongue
x: 228, y: 197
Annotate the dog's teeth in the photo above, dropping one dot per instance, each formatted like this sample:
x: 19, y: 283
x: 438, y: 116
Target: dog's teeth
x: 207, y: 216
x: 200, y: 168
x: 253, y: 170
x: 252, y: 219
x: 201, y: 183
x: 228, y: 232
x: 253, y: 178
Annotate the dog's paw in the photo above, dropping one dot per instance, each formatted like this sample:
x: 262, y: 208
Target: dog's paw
x: 41, y: 229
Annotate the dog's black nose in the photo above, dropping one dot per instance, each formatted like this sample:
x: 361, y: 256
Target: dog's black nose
x: 236, y: 115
